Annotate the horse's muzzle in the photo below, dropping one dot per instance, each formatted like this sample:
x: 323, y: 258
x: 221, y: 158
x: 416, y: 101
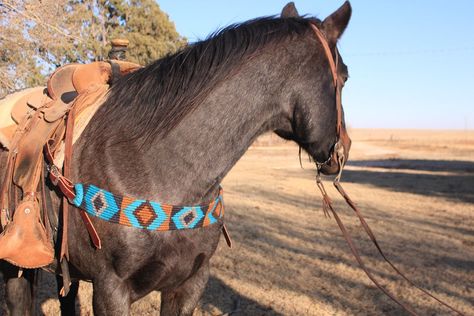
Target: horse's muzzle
x: 339, y: 155
x: 331, y: 167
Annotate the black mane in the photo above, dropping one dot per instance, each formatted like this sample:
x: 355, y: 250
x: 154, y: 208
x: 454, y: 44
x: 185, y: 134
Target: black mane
x: 152, y: 100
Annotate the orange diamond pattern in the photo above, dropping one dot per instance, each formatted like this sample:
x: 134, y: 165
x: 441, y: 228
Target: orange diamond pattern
x: 145, y: 214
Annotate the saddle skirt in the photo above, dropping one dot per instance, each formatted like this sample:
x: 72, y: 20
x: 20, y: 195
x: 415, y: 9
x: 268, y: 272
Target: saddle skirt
x: 63, y: 87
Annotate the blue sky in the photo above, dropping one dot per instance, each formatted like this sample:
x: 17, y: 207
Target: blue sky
x: 411, y: 62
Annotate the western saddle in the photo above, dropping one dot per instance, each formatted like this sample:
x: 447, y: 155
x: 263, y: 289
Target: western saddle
x: 36, y: 124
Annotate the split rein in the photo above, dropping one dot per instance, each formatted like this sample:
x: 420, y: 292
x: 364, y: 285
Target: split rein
x: 338, y: 151
x: 328, y: 207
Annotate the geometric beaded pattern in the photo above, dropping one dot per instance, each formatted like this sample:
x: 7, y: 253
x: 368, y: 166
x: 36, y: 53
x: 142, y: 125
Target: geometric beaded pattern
x: 145, y: 214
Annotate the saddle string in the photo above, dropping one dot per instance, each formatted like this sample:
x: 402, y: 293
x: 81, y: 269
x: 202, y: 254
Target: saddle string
x: 327, y: 205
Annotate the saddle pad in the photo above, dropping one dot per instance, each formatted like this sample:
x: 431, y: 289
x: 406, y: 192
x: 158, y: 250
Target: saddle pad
x: 86, y: 105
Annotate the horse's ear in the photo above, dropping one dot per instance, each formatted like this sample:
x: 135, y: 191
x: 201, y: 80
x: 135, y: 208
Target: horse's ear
x: 335, y: 24
x: 289, y: 11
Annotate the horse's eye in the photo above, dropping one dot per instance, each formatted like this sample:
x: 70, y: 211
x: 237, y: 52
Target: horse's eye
x: 343, y: 78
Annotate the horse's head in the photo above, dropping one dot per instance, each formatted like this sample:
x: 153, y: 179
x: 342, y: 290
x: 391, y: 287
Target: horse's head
x: 317, y: 118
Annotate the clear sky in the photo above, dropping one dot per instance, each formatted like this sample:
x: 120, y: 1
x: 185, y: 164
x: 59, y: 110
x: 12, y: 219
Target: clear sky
x: 411, y: 62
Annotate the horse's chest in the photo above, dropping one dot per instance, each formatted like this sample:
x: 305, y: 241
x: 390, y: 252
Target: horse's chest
x: 157, y: 260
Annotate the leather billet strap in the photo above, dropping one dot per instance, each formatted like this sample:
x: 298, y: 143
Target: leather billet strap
x: 55, y: 175
x: 67, y: 188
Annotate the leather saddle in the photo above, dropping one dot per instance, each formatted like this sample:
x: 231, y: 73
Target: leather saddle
x: 28, y: 119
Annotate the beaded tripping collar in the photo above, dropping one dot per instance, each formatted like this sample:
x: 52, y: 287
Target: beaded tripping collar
x: 145, y: 214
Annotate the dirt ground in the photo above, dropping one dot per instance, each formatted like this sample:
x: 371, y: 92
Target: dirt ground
x: 416, y: 189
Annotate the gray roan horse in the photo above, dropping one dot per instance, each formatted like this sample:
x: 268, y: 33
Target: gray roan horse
x: 171, y: 131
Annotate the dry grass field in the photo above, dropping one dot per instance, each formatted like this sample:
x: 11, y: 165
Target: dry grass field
x: 416, y: 189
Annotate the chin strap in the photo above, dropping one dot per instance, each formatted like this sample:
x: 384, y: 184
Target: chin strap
x: 327, y: 206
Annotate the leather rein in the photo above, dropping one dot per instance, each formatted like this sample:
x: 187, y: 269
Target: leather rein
x: 338, y: 150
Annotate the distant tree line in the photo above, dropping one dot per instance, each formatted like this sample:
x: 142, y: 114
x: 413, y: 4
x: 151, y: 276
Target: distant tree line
x: 37, y: 36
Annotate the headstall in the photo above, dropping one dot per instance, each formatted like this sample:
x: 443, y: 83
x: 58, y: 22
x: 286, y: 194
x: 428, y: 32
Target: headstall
x: 338, y: 150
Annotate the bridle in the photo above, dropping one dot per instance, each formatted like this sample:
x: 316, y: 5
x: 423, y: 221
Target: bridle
x: 338, y: 148
x: 338, y: 151
x: 333, y: 65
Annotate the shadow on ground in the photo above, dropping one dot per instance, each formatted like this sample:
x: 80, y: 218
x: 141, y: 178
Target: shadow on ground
x: 421, y: 257
x: 223, y: 297
x: 417, y: 164
x: 302, y: 254
x: 454, y: 185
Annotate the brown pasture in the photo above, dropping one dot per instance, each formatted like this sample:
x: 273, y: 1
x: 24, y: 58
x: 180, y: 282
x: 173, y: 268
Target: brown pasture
x: 416, y: 189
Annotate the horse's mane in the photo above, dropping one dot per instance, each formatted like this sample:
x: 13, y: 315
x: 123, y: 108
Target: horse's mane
x: 154, y: 99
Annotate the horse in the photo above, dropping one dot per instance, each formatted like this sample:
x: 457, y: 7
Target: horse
x: 172, y: 130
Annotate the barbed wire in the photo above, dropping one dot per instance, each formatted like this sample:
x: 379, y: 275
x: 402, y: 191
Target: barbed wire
x: 435, y: 51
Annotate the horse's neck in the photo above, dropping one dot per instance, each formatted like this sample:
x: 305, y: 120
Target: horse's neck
x: 200, y: 151
x: 206, y: 144
x: 187, y: 165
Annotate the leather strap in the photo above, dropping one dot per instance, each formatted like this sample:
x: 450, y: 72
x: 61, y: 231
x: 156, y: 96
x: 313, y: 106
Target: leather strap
x: 327, y: 51
x: 66, y: 173
x: 55, y: 175
x: 91, y: 229
x: 116, y: 74
x: 327, y: 203
x: 44, y: 205
x: 226, y: 234
x: 333, y: 63
x: 327, y: 206
x: 66, y: 278
x: 371, y: 235
x: 67, y: 188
